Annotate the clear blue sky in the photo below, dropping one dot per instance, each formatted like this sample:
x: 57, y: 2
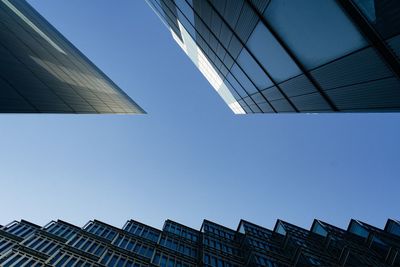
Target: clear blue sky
x: 190, y: 158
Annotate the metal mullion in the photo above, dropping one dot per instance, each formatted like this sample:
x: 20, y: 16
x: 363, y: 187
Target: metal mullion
x: 29, y: 262
x: 59, y: 230
x: 34, y: 242
x: 20, y: 229
x: 48, y: 247
x: 25, y: 231
x: 227, y: 52
x: 293, y: 57
x: 371, y: 35
x: 252, y: 55
x: 42, y: 244
x: 12, y: 259
x: 206, y: 53
x: 230, y: 41
x: 248, y: 95
x: 13, y: 227
x: 71, y: 258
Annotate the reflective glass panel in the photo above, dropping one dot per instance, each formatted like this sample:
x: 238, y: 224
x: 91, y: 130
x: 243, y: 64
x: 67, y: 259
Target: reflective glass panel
x: 316, y: 31
x: 253, y: 70
x: 271, y: 55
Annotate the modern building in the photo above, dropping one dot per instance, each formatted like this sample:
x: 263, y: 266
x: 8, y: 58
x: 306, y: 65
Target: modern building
x: 42, y: 72
x: 98, y: 244
x: 267, y: 56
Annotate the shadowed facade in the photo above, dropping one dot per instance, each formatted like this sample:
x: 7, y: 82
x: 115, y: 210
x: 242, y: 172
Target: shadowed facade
x: 137, y: 245
x: 42, y: 72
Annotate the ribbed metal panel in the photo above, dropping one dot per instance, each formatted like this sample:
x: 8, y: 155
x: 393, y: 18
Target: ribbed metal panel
x: 247, y: 22
x: 310, y: 103
x: 230, y: 9
x: 373, y: 95
x: 359, y: 67
x: 282, y: 105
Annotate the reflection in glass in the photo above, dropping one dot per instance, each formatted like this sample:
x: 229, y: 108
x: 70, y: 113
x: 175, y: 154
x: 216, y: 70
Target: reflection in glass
x: 316, y: 31
x: 271, y: 55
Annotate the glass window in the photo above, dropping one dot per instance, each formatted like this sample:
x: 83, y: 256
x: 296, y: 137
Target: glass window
x: 280, y: 229
x: 253, y: 70
x: 271, y: 54
x: 316, y: 31
x: 394, y: 228
x: 243, y: 80
x: 233, y: 85
x: 357, y: 229
x: 319, y: 229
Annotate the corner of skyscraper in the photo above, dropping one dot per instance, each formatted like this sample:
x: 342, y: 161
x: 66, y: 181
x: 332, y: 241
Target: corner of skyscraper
x: 275, y: 56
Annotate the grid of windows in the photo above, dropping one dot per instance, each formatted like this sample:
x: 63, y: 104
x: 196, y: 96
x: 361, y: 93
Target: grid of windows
x: 178, y: 246
x: 181, y: 231
x: 221, y: 246
x: 215, y: 261
x: 220, y: 231
x: 115, y: 259
x: 20, y: 229
x: 251, y: 245
x: 168, y: 260
x: 17, y: 258
x: 101, y: 230
x: 291, y: 56
x: 88, y: 245
x: 6, y: 244
x: 42, y: 244
x: 61, y: 230
x: 67, y: 259
x: 142, y: 231
x: 135, y: 246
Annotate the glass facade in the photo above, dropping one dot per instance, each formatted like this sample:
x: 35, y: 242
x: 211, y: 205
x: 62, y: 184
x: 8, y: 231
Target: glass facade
x: 62, y: 244
x: 42, y: 72
x: 272, y: 56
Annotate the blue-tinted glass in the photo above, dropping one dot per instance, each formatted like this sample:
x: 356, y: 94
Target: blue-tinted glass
x: 271, y: 55
x: 357, y: 229
x: 232, y: 83
x: 280, y: 229
x: 394, y: 228
x: 243, y: 79
x: 318, y: 229
x: 316, y: 31
x: 253, y: 70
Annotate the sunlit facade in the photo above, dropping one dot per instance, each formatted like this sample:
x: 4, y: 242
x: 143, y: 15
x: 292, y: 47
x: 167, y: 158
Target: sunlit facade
x: 42, y: 72
x: 62, y: 244
x: 272, y: 56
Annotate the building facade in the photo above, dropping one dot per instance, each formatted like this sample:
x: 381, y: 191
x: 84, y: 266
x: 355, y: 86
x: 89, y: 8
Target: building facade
x: 272, y: 56
x: 42, y: 72
x: 135, y: 244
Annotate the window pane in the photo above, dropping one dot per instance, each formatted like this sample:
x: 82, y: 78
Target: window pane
x: 316, y: 31
x: 357, y: 229
x: 271, y: 55
x: 243, y: 80
x: 253, y: 70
